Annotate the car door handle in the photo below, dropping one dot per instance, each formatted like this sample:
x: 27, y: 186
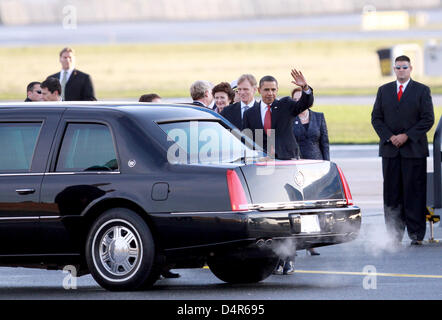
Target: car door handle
x: 25, y: 191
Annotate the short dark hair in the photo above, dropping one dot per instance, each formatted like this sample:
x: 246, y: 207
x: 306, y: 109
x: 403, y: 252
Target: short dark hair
x: 149, y: 97
x: 294, y: 90
x: 224, y: 87
x: 31, y: 85
x: 402, y: 58
x: 52, y: 84
x: 267, y: 79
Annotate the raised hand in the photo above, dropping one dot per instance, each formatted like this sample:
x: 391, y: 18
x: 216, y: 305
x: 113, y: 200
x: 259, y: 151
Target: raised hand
x: 298, y: 79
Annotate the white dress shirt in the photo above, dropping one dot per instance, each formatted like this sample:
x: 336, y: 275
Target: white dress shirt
x: 264, y: 106
x: 67, y: 76
x: 404, y: 85
x: 245, y: 107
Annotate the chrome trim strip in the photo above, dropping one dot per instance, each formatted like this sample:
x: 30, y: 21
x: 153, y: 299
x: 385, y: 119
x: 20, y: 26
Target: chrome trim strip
x: 56, y: 173
x: 81, y: 173
x: 20, y: 174
x: 49, y: 217
x: 298, y: 205
x: 29, y: 218
x: 314, y: 204
x: 199, y: 213
x: 18, y: 218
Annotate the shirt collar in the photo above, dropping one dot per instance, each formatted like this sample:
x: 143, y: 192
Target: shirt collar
x: 243, y: 105
x: 69, y: 72
x: 264, y: 106
x: 404, y: 85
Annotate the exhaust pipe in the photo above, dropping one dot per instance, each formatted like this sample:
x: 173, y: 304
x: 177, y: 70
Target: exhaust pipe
x: 260, y: 243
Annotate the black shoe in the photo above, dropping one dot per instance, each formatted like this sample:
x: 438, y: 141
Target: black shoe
x: 416, y: 242
x: 313, y: 252
x: 289, y: 268
x: 170, y: 275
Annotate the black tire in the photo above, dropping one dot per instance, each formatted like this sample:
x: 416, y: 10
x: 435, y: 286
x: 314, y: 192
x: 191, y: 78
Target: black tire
x: 120, y: 251
x: 233, y: 270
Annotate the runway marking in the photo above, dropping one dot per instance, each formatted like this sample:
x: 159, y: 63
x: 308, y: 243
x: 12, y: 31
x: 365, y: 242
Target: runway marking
x: 346, y: 273
x: 372, y: 274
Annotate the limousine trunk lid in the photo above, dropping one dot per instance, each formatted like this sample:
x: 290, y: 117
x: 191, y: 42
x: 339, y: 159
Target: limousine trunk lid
x: 295, y: 184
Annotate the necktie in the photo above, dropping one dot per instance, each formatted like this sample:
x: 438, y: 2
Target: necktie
x: 63, y: 83
x: 267, y: 120
x: 399, y: 94
x: 244, y: 109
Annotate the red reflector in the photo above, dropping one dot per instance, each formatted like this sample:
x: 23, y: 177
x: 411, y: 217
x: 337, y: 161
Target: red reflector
x: 237, y: 195
x: 347, y: 192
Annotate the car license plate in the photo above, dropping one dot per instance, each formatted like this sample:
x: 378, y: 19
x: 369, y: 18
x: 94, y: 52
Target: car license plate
x: 310, y: 223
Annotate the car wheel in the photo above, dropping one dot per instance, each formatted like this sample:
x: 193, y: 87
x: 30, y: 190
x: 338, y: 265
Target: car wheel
x: 233, y: 270
x: 120, y: 251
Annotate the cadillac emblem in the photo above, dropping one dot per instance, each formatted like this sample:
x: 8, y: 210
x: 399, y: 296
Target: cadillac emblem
x: 299, y: 179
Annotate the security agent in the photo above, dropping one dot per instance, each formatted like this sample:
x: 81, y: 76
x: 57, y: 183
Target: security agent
x: 33, y: 92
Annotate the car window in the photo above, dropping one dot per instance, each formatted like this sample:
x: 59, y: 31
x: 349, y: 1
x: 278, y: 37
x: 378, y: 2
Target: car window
x: 17, y: 145
x: 87, y: 147
x: 205, y: 142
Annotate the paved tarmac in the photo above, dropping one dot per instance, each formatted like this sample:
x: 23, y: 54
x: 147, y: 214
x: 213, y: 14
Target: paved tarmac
x: 319, y: 27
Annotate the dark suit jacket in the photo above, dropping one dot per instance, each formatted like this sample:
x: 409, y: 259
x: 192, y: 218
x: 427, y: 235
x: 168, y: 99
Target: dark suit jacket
x: 313, y: 142
x: 284, y: 112
x: 233, y: 114
x: 199, y: 104
x: 79, y: 87
x: 413, y: 115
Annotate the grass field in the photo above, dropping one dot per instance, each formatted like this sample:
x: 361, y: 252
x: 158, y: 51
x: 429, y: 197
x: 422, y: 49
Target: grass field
x: 127, y: 71
x: 352, y: 124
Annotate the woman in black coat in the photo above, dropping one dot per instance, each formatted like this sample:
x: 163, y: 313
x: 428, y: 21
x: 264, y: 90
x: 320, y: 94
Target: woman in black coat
x: 311, y: 134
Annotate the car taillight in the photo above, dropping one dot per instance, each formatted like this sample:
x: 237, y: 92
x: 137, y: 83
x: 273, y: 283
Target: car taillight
x: 347, y: 192
x: 237, y: 195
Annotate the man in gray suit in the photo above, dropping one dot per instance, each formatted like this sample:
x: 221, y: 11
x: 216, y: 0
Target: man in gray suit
x: 402, y: 115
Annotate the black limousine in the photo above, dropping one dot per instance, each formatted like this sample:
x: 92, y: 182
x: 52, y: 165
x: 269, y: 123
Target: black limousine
x: 125, y: 190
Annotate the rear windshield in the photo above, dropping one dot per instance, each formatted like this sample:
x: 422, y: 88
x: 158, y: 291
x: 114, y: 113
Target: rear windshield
x: 206, y: 142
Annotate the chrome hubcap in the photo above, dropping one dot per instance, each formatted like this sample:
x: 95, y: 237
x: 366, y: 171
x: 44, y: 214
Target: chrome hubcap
x: 119, y: 250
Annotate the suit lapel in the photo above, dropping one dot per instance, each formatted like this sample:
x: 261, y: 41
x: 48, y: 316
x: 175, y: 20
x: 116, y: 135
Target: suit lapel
x: 258, y: 117
x: 393, y: 92
x: 275, y: 113
x: 71, y: 77
x: 312, y: 120
x: 237, y: 112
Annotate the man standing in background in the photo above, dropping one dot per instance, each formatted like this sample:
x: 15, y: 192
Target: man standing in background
x: 402, y: 115
x: 201, y: 93
x: 75, y: 85
x: 246, y: 87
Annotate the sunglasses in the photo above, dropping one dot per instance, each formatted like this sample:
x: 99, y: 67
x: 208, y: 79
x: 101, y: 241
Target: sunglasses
x: 38, y: 91
x: 399, y: 67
